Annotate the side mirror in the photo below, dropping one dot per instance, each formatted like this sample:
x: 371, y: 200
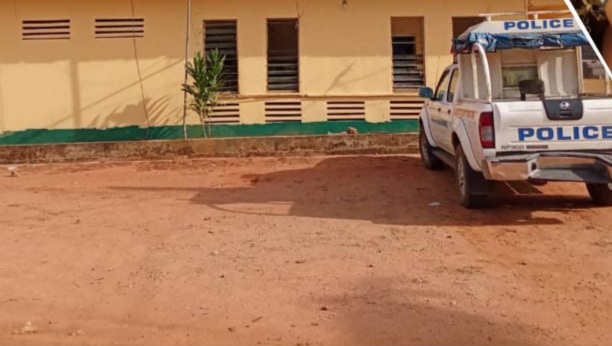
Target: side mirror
x: 426, y: 93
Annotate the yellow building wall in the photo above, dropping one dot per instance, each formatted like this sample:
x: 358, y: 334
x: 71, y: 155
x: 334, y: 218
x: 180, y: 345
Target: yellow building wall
x: 343, y: 49
x: 83, y: 82
x: 546, y: 5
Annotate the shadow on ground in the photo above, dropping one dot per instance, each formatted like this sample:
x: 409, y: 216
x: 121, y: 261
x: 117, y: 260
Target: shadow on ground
x: 382, y: 313
x: 384, y: 190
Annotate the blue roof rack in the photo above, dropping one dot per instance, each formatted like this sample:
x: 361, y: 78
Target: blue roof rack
x: 526, y: 34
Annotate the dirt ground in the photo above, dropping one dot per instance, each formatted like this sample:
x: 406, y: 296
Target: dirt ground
x: 295, y: 251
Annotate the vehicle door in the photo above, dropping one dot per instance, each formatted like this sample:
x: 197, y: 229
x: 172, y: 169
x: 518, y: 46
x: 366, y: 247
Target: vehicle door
x: 445, y: 114
x: 438, y: 124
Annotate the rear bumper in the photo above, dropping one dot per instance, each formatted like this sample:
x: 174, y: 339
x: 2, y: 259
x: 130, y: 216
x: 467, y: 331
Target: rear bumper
x: 551, y: 166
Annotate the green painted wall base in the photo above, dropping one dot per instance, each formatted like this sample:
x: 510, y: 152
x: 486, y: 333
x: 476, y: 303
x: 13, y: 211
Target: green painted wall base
x: 135, y: 133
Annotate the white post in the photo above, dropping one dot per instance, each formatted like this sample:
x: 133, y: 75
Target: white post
x: 487, y: 71
x: 580, y: 67
x: 475, y: 74
x: 187, y: 36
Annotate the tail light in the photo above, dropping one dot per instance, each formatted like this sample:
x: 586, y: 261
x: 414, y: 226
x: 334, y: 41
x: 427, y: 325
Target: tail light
x: 487, y: 130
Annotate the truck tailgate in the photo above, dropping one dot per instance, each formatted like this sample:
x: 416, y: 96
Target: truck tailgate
x: 527, y: 126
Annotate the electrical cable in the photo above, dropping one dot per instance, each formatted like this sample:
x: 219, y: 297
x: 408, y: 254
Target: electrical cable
x: 140, y: 79
x: 300, y: 12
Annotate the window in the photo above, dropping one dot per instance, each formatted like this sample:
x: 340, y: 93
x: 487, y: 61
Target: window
x: 518, y: 65
x: 592, y: 67
x: 408, y: 47
x: 441, y: 89
x: 512, y: 75
x: 221, y: 35
x: 472, y: 78
x: 283, y: 56
x: 461, y: 24
x: 450, y: 96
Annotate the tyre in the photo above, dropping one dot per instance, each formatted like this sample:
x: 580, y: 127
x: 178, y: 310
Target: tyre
x: 470, y: 183
x: 601, y: 194
x: 430, y: 161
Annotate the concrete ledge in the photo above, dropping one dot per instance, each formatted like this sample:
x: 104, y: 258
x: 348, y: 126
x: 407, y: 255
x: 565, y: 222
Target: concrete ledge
x: 222, y: 147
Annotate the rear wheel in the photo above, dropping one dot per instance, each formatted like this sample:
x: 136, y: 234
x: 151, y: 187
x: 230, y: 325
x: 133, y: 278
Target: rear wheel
x: 430, y: 161
x: 467, y: 182
x: 601, y: 194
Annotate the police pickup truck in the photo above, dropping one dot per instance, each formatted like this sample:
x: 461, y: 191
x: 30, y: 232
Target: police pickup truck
x: 512, y: 108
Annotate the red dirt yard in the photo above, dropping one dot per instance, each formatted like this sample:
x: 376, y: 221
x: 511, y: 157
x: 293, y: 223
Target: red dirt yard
x: 295, y: 251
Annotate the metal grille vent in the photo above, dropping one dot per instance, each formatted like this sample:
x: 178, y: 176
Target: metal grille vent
x: 283, y: 111
x: 120, y: 27
x: 283, y: 56
x: 408, y: 69
x: 405, y: 109
x: 52, y: 29
x: 221, y: 35
x: 346, y: 110
x: 226, y: 113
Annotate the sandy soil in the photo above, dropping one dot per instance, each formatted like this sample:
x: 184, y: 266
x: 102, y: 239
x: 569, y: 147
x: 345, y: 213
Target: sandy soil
x: 296, y: 251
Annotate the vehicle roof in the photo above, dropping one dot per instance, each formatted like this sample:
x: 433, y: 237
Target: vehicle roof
x: 527, y: 34
x: 525, y: 26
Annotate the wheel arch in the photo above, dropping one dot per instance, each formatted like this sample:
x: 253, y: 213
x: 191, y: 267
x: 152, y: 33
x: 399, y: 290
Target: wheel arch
x: 460, y: 137
x: 424, y: 124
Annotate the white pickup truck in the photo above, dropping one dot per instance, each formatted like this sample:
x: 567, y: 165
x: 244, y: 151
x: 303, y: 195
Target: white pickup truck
x: 513, y: 108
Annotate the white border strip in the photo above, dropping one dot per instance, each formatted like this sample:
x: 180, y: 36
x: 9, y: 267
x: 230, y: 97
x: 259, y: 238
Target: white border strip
x: 569, y: 5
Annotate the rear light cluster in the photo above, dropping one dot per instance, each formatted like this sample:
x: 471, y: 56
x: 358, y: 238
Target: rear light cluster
x: 486, y: 130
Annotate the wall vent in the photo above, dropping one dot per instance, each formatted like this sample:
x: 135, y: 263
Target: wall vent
x: 225, y: 113
x: 345, y: 110
x: 48, y: 29
x: 406, y: 108
x: 120, y: 27
x: 283, y: 111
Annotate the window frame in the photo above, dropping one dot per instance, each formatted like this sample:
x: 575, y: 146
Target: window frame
x: 474, y: 19
x: 296, y: 20
x: 520, y: 68
x: 419, y: 39
x: 454, y: 77
x: 235, y: 22
x: 445, y: 79
x: 588, y: 56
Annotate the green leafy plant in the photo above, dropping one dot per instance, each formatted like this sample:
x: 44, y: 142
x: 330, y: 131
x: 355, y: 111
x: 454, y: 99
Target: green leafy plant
x: 205, y: 74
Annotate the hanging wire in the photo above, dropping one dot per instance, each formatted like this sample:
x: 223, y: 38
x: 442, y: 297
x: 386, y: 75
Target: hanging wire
x: 299, y: 11
x: 140, y: 78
